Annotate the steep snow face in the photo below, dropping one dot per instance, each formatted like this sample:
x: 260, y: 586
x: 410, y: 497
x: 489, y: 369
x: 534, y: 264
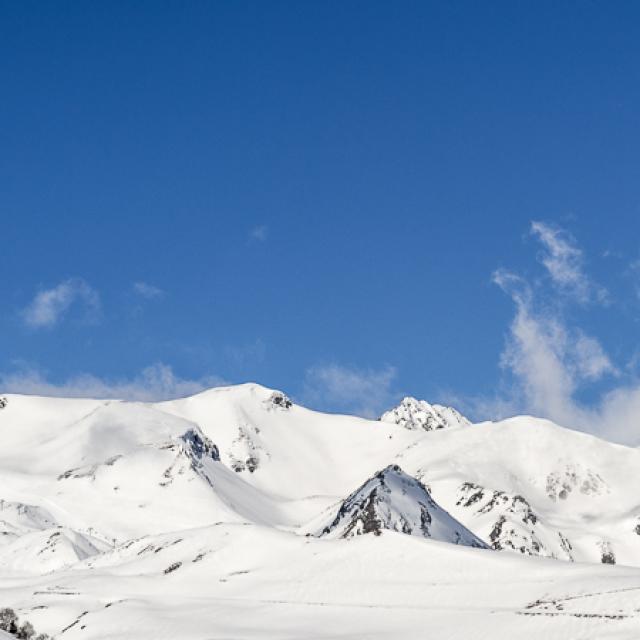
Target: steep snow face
x: 395, y: 501
x: 48, y: 550
x: 17, y: 518
x: 160, y: 486
x: 419, y: 414
x: 288, y: 450
x: 31, y: 540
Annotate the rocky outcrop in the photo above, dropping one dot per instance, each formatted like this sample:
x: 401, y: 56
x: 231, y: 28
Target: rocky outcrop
x: 507, y: 522
x: 607, y: 556
x: 574, y: 477
x: 279, y: 400
x: 246, y: 452
x: 198, y: 446
x: 419, y: 414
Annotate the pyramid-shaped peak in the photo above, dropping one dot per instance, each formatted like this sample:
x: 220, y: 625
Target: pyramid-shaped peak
x: 419, y: 414
x: 396, y: 501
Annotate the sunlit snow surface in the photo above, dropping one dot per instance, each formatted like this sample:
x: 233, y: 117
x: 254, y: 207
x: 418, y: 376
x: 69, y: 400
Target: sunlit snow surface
x: 205, y: 518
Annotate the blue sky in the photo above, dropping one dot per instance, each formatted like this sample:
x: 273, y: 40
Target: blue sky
x: 336, y: 199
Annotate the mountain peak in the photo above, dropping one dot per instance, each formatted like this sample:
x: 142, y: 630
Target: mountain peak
x: 396, y: 501
x: 419, y: 414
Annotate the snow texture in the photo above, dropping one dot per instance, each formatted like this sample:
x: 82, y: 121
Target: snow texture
x: 232, y: 514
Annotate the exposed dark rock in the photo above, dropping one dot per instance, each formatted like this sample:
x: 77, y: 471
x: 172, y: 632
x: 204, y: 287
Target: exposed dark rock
x: 200, y: 446
x: 496, y: 532
x: 280, y: 400
x: 246, y: 453
x: 608, y: 556
x: 565, y: 544
x: 516, y: 527
x: 472, y: 493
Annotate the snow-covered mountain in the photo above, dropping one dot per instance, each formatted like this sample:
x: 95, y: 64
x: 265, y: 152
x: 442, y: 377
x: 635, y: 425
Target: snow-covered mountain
x: 235, y: 511
x: 392, y: 500
x: 419, y: 414
x: 528, y: 485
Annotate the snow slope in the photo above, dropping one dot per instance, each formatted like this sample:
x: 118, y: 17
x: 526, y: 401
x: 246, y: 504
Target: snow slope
x: 113, y: 514
x: 234, y: 581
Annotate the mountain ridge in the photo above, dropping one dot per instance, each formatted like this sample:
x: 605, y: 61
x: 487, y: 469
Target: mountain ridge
x: 155, y: 491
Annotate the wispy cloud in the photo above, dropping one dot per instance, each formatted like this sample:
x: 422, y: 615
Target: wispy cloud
x: 364, y: 392
x: 154, y: 383
x: 146, y: 290
x: 49, y: 306
x: 564, y: 261
x: 259, y: 233
x: 551, y: 361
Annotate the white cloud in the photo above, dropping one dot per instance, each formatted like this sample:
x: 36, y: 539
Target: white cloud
x: 362, y: 392
x: 513, y: 285
x: 49, y: 306
x: 156, y: 382
x: 259, y: 233
x: 590, y: 359
x: 146, y: 290
x: 534, y: 354
x: 618, y: 415
x: 564, y: 261
x: 551, y: 363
